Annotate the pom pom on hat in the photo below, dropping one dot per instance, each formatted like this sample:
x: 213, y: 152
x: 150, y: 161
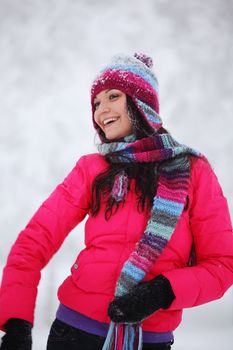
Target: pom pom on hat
x: 145, y: 59
x: 134, y: 76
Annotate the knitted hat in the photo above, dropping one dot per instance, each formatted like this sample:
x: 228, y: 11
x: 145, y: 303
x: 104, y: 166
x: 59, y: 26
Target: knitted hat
x: 132, y: 75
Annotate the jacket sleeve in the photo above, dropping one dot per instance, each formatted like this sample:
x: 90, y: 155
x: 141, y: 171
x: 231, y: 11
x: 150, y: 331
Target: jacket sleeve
x: 211, y: 227
x: 57, y: 216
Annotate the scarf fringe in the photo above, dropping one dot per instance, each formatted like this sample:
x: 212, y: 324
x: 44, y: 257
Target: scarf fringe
x: 123, y: 337
x: 120, y: 187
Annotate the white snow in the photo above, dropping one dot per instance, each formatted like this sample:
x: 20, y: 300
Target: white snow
x: 50, y: 51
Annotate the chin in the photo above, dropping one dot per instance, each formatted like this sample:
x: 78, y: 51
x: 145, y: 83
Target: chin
x: 111, y: 138
x: 115, y: 137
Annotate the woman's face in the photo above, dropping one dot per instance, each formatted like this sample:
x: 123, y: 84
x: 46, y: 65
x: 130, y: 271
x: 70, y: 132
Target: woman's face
x: 111, y: 114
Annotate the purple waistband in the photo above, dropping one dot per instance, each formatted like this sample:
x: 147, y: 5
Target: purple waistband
x: 77, y: 320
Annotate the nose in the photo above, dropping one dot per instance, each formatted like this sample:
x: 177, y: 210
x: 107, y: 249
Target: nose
x: 103, y: 108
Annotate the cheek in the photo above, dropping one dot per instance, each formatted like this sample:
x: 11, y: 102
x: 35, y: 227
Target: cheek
x: 127, y: 120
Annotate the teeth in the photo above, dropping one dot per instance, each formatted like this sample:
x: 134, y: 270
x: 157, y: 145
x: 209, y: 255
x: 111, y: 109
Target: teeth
x: 108, y: 120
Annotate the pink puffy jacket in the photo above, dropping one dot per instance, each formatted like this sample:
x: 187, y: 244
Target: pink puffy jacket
x: 91, y: 285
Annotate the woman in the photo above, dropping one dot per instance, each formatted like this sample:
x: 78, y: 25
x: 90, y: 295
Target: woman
x: 158, y: 237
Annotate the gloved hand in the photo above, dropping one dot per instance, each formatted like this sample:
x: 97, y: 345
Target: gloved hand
x: 18, y: 335
x: 142, y: 301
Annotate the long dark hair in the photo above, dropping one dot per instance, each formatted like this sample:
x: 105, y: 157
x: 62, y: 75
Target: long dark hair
x: 145, y: 174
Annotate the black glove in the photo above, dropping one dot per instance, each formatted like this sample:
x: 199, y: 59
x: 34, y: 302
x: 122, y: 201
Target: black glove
x: 142, y: 301
x: 18, y: 335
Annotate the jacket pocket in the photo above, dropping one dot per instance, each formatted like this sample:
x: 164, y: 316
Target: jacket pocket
x: 96, y: 277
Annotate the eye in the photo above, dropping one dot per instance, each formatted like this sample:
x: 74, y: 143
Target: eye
x: 96, y: 105
x: 113, y: 96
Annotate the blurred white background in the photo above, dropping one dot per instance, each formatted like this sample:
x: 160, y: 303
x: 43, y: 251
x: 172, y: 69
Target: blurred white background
x: 50, y: 51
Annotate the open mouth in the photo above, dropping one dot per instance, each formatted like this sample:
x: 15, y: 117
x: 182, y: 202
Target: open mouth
x: 109, y: 121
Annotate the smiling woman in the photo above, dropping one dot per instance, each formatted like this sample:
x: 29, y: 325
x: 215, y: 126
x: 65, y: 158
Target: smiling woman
x: 111, y: 114
x: 151, y: 202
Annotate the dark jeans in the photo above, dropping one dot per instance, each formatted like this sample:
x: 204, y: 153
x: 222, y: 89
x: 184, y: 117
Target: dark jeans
x: 65, y: 337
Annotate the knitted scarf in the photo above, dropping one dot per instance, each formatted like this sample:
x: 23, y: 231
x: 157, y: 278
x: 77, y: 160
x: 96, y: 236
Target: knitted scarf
x: 168, y: 204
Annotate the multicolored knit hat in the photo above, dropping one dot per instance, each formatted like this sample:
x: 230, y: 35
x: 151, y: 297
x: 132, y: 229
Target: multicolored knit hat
x: 132, y: 75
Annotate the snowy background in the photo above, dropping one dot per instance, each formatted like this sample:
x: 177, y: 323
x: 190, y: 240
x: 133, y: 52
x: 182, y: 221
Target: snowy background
x: 50, y: 51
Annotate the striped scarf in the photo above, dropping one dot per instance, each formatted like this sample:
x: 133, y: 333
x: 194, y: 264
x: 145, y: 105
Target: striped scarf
x: 168, y: 204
